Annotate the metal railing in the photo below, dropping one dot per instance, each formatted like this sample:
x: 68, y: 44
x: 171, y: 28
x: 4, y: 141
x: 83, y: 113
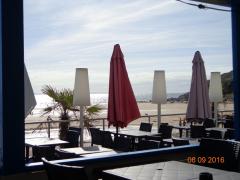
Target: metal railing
x: 149, y: 118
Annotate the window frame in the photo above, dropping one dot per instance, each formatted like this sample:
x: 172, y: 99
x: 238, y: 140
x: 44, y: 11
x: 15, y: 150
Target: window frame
x: 12, y: 91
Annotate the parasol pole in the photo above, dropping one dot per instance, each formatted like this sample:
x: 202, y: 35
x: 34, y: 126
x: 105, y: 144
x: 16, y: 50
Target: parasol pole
x: 159, y: 115
x: 117, y: 129
x: 81, y: 119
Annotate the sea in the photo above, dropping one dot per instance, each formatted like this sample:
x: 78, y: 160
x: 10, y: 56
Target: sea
x: 101, y: 99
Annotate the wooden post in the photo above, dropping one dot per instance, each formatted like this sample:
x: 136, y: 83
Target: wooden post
x: 236, y: 63
x: 12, y: 86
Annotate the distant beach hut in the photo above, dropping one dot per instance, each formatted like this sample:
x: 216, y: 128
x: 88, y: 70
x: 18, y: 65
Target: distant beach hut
x: 198, y: 107
x: 122, y: 105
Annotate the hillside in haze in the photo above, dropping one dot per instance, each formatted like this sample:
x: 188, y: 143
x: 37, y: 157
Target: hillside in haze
x: 227, y: 79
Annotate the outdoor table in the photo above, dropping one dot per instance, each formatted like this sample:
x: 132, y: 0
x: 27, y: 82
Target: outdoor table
x: 135, y: 135
x: 181, y: 128
x: 87, y: 150
x: 31, y: 142
x: 170, y: 170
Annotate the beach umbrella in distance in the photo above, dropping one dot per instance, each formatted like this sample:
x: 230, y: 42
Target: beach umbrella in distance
x: 122, y: 105
x: 29, y: 98
x: 198, y: 107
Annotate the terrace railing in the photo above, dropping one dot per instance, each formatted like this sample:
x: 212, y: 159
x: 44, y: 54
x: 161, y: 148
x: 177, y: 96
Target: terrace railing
x: 51, y: 124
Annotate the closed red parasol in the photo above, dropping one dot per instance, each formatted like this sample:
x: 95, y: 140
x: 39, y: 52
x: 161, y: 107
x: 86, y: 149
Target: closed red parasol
x: 122, y: 105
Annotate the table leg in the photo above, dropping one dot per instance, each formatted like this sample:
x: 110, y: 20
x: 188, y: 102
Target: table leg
x: 180, y: 133
x: 187, y: 133
x: 133, y: 143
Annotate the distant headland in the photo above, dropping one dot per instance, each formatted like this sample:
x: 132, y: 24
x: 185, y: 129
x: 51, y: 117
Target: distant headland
x: 227, y: 79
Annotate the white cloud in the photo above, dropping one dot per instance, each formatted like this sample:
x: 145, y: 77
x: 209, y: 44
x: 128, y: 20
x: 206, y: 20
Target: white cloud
x: 63, y: 35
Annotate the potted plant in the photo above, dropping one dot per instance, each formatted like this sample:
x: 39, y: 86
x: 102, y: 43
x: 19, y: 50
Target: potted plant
x: 62, y: 103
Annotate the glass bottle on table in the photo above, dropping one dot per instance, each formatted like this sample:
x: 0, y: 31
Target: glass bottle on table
x: 184, y: 122
x: 180, y: 122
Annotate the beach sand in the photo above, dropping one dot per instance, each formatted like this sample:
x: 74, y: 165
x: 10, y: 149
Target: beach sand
x: 145, y: 108
x: 170, y: 108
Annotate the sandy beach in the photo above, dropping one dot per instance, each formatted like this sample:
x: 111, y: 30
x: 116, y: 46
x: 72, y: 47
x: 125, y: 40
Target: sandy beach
x: 170, y: 108
x: 146, y: 108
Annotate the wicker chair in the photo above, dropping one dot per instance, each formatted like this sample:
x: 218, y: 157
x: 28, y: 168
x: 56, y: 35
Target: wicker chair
x: 148, y: 144
x: 73, y: 139
x: 154, y: 138
x: 197, y: 131
x: 122, y: 143
x: 166, y: 131
x: 43, y: 151
x: 220, y: 148
x: 229, y: 134
x: 180, y: 142
x: 215, y: 134
x: 59, y: 171
x: 96, y: 135
x: 162, y: 142
x: 61, y: 154
x: 145, y: 127
x: 228, y: 124
x: 208, y: 123
x: 107, y: 140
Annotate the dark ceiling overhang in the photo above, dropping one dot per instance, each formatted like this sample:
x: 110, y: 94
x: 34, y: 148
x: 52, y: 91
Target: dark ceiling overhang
x: 215, y: 2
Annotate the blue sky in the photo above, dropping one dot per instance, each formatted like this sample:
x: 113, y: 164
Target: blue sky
x: 154, y: 35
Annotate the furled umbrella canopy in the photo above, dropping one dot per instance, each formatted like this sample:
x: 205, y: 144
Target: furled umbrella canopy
x: 198, y: 107
x: 122, y: 105
x: 29, y: 98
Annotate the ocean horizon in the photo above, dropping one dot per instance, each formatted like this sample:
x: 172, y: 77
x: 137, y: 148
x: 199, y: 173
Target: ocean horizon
x: 99, y: 98
x: 44, y: 101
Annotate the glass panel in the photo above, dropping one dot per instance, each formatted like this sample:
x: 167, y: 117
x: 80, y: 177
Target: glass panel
x: 164, y: 35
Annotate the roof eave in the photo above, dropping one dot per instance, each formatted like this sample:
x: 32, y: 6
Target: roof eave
x: 215, y: 2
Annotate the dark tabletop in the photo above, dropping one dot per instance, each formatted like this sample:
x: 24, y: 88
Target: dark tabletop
x: 171, y: 170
